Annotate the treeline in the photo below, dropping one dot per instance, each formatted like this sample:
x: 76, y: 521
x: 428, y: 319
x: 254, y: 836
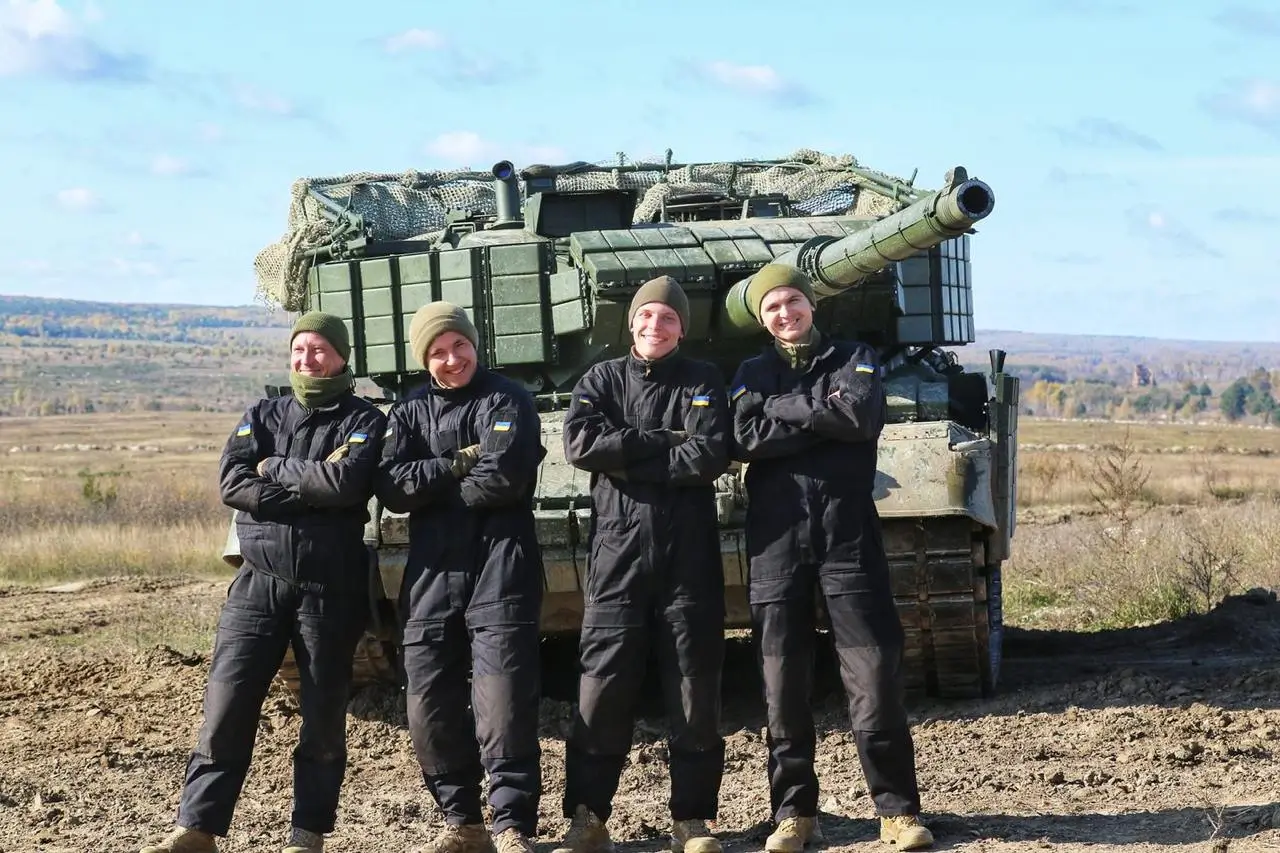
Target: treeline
x: 1245, y: 399
x: 29, y: 317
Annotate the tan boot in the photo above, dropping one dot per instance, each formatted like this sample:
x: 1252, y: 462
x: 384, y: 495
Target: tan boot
x: 587, y: 834
x: 183, y: 840
x: 692, y: 836
x: 464, y: 838
x: 304, y: 841
x: 906, y: 832
x: 792, y: 835
x: 513, y: 841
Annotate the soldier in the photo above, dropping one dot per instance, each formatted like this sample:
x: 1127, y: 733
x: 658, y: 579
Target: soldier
x: 652, y: 428
x: 462, y: 459
x: 807, y: 416
x: 299, y: 470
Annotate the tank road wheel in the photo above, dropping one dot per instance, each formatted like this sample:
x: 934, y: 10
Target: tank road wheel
x: 948, y: 599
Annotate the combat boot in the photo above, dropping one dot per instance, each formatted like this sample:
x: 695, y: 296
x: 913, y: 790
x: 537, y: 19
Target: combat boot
x: 461, y: 838
x: 692, y: 836
x: 303, y: 841
x: 906, y: 832
x: 587, y: 834
x: 793, y: 835
x: 513, y: 841
x: 183, y: 840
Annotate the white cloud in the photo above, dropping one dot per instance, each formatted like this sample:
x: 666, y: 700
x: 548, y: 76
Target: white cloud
x: 762, y: 79
x: 169, y: 166
x: 136, y: 239
x: 414, y: 39
x: 262, y: 101
x: 134, y: 269
x: 1155, y: 219
x: 78, y: 199
x: 467, y: 149
x: 39, y: 37
x: 1254, y: 101
x: 211, y: 132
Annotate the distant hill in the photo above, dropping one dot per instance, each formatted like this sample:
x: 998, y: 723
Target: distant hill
x: 66, y: 355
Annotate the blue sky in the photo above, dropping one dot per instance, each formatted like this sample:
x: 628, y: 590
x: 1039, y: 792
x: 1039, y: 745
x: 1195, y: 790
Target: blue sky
x: 147, y: 147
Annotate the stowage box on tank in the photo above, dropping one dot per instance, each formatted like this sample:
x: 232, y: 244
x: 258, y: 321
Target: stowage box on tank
x: 545, y: 261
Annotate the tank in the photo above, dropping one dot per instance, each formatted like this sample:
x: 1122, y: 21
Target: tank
x: 545, y: 260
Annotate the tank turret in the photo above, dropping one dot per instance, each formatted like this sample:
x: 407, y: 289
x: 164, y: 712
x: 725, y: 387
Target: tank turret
x: 545, y: 260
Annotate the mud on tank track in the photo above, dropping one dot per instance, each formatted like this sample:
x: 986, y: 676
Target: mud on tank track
x: 1150, y: 739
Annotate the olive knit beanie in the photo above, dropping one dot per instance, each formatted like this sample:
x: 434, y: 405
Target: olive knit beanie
x: 327, y: 326
x: 433, y: 320
x: 772, y: 276
x: 666, y: 290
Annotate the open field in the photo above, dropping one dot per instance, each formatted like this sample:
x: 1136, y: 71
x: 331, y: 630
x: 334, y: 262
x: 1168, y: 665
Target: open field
x: 1127, y: 720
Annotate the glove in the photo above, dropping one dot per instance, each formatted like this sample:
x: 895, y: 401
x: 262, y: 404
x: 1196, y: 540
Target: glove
x: 339, y: 454
x: 676, y: 436
x: 750, y: 402
x: 464, y: 460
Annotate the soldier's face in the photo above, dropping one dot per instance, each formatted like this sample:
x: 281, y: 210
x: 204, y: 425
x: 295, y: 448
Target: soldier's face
x: 451, y: 360
x: 313, y: 355
x: 787, y: 314
x: 655, y: 330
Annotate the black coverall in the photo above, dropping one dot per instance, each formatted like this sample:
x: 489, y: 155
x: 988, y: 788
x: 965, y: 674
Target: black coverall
x: 304, y: 582
x: 810, y: 439
x: 654, y: 575
x: 473, y: 582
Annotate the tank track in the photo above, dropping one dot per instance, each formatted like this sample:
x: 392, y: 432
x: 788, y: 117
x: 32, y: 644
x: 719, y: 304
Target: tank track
x: 948, y: 600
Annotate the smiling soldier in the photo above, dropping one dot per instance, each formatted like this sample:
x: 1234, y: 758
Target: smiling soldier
x: 462, y: 459
x: 652, y: 428
x: 299, y: 469
x: 807, y: 416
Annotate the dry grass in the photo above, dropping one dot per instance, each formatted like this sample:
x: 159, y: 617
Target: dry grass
x: 98, y: 495
x: 136, y: 494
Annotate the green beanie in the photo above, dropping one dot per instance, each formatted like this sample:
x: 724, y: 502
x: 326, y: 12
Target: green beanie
x: 433, y: 320
x: 666, y: 290
x: 772, y: 276
x: 327, y: 326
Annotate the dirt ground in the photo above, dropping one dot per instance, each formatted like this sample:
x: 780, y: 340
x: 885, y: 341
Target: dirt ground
x: 1161, y: 738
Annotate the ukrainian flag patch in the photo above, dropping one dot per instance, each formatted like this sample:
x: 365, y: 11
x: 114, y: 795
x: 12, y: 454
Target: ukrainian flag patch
x: 243, y: 430
x: 502, y: 426
x: 865, y: 368
x: 739, y: 391
x: 358, y: 438
x: 702, y: 400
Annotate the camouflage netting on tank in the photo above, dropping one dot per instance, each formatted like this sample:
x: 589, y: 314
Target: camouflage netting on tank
x: 412, y: 205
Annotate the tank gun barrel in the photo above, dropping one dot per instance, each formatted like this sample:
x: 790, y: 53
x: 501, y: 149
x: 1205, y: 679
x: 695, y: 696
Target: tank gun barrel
x: 837, y: 264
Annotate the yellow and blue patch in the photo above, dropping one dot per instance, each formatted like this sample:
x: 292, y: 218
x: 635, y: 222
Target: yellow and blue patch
x: 243, y: 430
x: 502, y: 426
x: 739, y: 391
x: 702, y: 400
x: 865, y: 368
x: 358, y: 438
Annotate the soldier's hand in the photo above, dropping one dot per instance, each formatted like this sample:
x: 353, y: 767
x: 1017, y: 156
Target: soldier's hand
x: 676, y: 436
x: 750, y: 402
x: 464, y: 460
x: 258, y: 469
x: 339, y: 454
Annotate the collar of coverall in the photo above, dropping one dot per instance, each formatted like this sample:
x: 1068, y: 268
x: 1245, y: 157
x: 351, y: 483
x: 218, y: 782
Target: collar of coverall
x: 649, y: 368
